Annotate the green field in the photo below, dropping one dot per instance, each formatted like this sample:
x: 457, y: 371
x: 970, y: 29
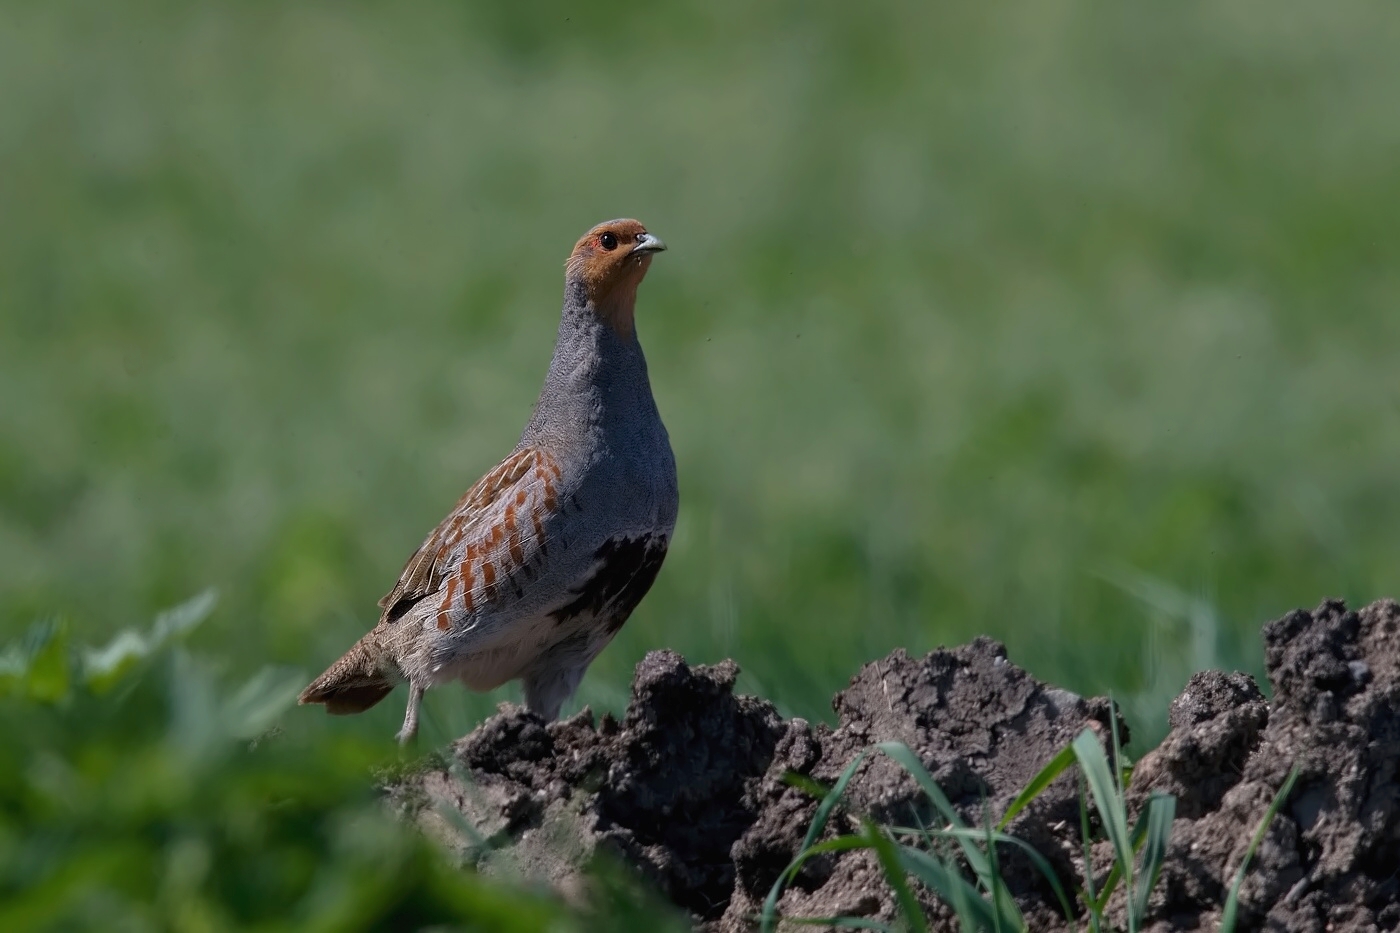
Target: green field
x: 1073, y: 325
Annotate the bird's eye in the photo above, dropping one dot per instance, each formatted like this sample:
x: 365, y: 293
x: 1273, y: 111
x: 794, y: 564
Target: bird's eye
x: 609, y: 241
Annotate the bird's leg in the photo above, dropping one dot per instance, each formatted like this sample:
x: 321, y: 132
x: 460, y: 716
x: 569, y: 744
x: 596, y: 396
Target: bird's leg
x: 552, y: 682
x: 410, y: 718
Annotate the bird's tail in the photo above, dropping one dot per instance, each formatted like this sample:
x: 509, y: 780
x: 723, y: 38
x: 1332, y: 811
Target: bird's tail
x: 352, y: 684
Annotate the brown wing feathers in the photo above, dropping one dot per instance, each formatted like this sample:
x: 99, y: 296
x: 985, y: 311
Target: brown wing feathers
x: 462, y: 576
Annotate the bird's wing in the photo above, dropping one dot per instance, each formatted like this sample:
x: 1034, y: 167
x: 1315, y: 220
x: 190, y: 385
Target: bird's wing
x: 487, y: 548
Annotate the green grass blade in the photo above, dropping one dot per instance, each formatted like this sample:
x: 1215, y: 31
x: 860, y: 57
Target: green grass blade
x: 1038, y: 860
x: 947, y: 882
x: 1161, y: 810
x: 976, y: 858
x: 769, y: 914
x: 829, y: 802
x: 819, y: 821
x: 902, y: 754
x: 1006, y: 915
x: 1104, y: 789
x: 1110, y: 884
x: 814, y: 789
x: 1043, y: 866
x: 1047, y: 775
x: 1115, y: 873
x: 1120, y: 804
x: 839, y: 844
x: 1090, y: 903
x: 982, y: 862
x: 1232, y: 902
x: 891, y: 862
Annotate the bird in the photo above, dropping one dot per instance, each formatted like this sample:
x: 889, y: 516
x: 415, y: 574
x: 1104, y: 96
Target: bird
x: 543, y: 559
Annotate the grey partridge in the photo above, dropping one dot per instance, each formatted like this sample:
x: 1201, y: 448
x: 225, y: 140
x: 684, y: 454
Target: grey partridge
x: 543, y: 560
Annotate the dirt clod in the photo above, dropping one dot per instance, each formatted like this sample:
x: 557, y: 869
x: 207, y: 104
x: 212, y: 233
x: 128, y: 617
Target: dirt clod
x: 1329, y: 860
x: 689, y: 787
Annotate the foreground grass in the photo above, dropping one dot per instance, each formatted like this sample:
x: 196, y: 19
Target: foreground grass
x: 958, y: 863
x: 140, y: 789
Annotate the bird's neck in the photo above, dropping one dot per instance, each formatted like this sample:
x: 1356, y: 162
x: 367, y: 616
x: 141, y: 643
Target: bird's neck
x: 614, y: 302
x: 598, y: 374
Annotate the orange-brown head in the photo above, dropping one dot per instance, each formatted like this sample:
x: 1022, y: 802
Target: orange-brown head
x: 608, y: 264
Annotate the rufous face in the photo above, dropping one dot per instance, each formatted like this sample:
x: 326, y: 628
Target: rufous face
x: 612, y: 258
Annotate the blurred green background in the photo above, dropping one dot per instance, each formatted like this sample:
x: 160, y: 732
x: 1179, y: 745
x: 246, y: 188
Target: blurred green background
x: 1070, y: 324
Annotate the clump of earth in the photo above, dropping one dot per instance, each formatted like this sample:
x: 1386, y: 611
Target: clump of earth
x: 690, y: 787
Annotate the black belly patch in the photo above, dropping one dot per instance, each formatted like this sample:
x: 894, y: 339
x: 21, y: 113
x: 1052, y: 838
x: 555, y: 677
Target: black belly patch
x: 627, y: 569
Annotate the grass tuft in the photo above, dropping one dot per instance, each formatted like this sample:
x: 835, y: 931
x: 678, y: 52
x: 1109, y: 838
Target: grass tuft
x: 959, y: 864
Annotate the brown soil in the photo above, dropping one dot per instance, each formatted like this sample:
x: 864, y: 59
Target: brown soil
x: 688, y: 786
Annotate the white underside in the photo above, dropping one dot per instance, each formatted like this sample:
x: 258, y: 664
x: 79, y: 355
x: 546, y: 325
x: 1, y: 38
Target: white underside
x: 510, y: 654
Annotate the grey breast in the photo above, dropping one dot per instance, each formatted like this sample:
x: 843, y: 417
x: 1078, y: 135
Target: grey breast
x: 596, y: 410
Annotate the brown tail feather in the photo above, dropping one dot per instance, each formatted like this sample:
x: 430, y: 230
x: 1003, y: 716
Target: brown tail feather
x: 351, y: 685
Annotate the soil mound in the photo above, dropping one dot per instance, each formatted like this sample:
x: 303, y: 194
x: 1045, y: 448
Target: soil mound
x: 689, y: 786
x: 1330, y: 860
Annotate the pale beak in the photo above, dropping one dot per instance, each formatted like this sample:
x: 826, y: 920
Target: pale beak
x: 646, y: 243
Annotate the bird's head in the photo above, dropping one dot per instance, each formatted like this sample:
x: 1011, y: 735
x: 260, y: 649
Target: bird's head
x: 608, y: 264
